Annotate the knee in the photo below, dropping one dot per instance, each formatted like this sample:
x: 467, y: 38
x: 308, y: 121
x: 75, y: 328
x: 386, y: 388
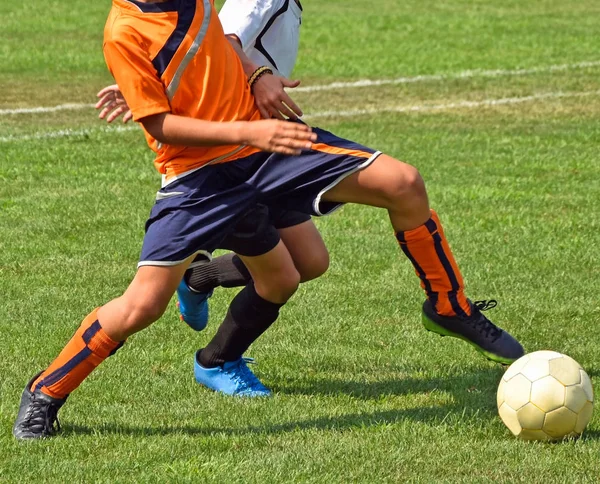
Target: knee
x: 406, y: 184
x: 279, y: 286
x: 314, y: 266
x: 142, y: 312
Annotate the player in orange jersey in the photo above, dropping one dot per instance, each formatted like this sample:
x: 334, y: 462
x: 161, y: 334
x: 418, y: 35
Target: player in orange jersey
x: 267, y: 31
x: 186, y: 86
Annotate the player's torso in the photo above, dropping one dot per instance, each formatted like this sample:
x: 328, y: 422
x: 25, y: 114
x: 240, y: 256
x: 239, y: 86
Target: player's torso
x: 200, y: 71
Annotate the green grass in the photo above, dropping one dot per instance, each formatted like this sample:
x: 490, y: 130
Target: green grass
x: 362, y: 392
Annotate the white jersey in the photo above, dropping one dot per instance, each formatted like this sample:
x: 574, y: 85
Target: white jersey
x: 269, y: 30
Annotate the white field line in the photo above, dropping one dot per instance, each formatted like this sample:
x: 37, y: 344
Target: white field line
x: 442, y: 77
x: 361, y: 83
x: 50, y: 109
x: 328, y: 114
x: 67, y: 133
x: 447, y: 106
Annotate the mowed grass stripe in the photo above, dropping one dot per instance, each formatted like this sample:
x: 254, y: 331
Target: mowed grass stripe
x: 469, y: 74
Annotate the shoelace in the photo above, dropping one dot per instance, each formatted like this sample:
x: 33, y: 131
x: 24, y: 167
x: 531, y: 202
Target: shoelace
x: 484, y: 305
x: 243, y: 376
x: 45, y: 415
x: 483, y: 323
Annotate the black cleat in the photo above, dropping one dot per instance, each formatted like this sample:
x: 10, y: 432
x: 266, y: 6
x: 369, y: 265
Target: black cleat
x: 487, y: 338
x: 38, y: 414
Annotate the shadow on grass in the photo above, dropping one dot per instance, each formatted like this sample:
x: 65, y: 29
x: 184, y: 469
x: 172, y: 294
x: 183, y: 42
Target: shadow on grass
x: 473, y: 399
x: 470, y: 384
x: 338, y: 423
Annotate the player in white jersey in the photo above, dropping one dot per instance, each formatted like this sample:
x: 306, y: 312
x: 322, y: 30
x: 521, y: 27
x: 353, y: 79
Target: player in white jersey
x: 264, y: 33
x: 268, y: 31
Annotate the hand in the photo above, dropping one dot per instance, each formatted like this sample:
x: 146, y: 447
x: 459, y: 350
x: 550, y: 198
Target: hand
x: 279, y: 136
x: 112, y: 104
x: 272, y: 100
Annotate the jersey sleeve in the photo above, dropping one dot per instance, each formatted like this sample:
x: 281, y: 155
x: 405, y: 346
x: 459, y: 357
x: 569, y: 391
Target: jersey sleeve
x: 246, y: 18
x: 136, y: 77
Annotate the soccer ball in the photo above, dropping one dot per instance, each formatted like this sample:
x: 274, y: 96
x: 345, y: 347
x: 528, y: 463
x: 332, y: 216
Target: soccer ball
x: 545, y: 396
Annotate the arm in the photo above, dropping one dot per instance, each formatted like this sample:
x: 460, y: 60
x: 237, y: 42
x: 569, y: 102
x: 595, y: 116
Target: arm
x: 247, y: 64
x: 268, y: 135
x: 269, y: 91
x: 145, y: 95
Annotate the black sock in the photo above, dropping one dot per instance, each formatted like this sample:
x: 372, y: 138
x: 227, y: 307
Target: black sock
x: 248, y: 317
x: 227, y: 271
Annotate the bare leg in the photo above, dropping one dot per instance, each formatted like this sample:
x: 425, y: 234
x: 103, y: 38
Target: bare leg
x: 399, y: 188
x: 104, y: 330
x: 144, y: 301
x: 307, y: 249
x: 274, y: 274
x: 390, y: 184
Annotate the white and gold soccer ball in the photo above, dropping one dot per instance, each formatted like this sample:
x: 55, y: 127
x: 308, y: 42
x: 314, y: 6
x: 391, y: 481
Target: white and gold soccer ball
x: 545, y: 395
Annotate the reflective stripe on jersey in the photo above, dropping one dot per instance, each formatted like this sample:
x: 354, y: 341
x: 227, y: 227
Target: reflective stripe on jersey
x: 174, y: 84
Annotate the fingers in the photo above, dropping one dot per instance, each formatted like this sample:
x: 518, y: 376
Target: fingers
x: 105, y: 111
x: 264, y: 112
x: 112, y: 111
x: 294, y: 138
x: 289, y: 83
x: 105, y: 99
x: 292, y: 105
x: 301, y: 132
x: 286, y: 111
x: 277, y: 115
x: 291, y: 146
x: 116, y: 113
x: 279, y: 109
x: 107, y: 90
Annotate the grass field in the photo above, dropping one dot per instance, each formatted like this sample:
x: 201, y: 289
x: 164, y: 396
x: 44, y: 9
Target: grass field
x: 362, y: 392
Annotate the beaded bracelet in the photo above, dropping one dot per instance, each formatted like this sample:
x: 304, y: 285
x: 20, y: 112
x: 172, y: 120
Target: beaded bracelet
x: 257, y: 74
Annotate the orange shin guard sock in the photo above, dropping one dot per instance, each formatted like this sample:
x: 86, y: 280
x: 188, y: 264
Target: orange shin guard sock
x: 89, y: 347
x: 428, y: 250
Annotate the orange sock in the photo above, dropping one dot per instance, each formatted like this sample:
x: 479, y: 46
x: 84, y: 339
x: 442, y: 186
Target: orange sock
x: 89, y: 347
x: 430, y: 254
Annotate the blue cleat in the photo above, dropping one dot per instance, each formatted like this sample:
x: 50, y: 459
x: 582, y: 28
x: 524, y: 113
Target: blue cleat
x: 193, y: 306
x: 233, y: 378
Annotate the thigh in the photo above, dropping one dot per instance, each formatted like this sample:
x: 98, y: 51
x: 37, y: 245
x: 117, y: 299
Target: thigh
x: 372, y: 185
x: 282, y: 218
x: 307, y: 249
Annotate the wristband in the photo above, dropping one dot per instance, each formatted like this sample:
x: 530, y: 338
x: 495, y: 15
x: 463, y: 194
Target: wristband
x: 257, y: 74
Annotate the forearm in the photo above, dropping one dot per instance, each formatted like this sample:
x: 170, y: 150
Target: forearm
x: 247, y: 64
x: 176, y: 130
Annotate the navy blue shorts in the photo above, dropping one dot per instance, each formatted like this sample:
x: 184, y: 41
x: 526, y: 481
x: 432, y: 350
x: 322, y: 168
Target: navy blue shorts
x: 196, y: 213
x: 258, y: 231
x: 282, y: 219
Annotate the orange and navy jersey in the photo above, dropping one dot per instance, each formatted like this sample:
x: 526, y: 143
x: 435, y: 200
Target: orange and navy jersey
x: 173, y: 57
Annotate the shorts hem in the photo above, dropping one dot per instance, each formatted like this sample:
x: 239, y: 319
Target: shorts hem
x: 317, y: 200
x: 170, y: 263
